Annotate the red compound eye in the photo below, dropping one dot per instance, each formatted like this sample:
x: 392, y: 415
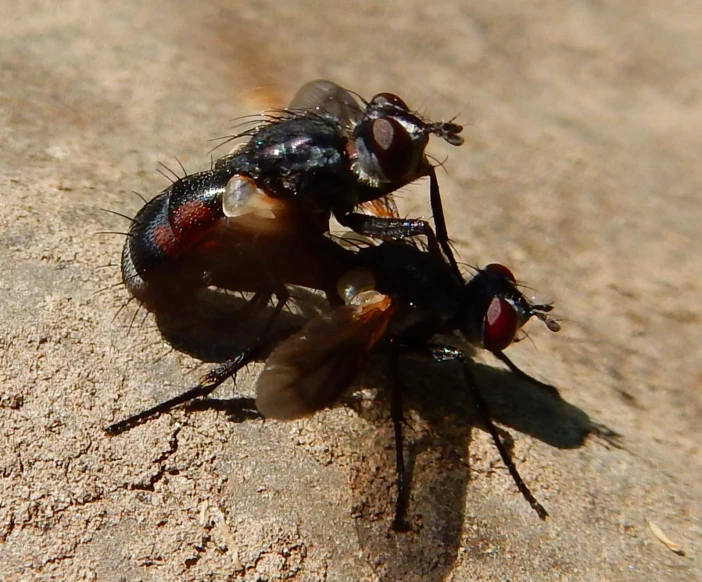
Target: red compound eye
x: 500, y: 324
x: 500, y: 270
x: 392, y: 147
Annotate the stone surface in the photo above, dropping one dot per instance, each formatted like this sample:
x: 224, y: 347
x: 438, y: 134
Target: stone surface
x: 581, y: 170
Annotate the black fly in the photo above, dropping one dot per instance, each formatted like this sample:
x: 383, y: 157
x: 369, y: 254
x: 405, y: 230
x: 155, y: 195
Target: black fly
x: 393, y: 297
x: 325, y: 154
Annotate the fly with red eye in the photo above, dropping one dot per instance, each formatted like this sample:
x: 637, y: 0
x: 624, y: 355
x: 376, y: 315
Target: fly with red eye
x: 391, y: 140
x: 393, y: 297
x: 493, y: 291
x: 326, y: 154
x: 495, y: 310
x: 425, y: 303
x: 329, y: 154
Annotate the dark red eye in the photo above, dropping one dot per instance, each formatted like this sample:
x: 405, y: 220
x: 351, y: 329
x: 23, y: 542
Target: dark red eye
x: 500, y: 325
x: 382, y: 99
x: 392, y: 147
x: 500, y: 270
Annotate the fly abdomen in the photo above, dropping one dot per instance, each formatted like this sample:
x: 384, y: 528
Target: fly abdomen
x: 195, y: 205
x: 148, y: 247
x: 167, y: 227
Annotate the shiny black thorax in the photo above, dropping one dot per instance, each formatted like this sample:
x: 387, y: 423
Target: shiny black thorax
x: 303, y: 159
x: 424, y: 288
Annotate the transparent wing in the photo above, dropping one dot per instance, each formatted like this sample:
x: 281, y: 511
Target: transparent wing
x: 311, y: 369
x: 328, y: 97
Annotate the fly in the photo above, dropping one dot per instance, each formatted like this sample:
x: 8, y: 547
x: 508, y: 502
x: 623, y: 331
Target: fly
x: 393, y: 297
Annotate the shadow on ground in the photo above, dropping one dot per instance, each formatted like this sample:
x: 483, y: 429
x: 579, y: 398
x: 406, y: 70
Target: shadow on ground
x: 441, y: 416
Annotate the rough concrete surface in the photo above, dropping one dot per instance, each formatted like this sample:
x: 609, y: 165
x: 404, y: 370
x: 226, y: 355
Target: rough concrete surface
x: 581, y: 171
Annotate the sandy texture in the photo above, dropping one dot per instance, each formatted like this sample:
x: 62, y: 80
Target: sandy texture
x: 581, y: 171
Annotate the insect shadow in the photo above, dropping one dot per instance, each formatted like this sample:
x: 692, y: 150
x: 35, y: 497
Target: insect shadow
x: 440, y: 415
x: 439, y: 461
x: 211, y: 325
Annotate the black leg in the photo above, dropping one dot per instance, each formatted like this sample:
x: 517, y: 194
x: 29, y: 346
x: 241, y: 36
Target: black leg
x: 440, y: 220
x: 207, y: 384
x: 484, y: 414
x: 282, y: 296
x: 394, y: 229
x: 552, y: 390
x: 210, y: 381
x: 446, y: 353
x: 399, y: 523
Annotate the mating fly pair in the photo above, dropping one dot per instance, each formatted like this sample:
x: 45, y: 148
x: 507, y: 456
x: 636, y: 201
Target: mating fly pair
x: 325, y: 154
x: 256, y: 222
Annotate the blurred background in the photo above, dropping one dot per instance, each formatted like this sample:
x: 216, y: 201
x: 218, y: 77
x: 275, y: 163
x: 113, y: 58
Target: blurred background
x: 580, y: 171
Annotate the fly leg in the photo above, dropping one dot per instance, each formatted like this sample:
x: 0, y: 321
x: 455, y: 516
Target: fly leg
x: 399, y: 523
x: 399, y: 229
x: 255, y: 305
x: 207, y: 384
x: 437, y: 209
x: 210, y: 381
x: 446, y: 353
